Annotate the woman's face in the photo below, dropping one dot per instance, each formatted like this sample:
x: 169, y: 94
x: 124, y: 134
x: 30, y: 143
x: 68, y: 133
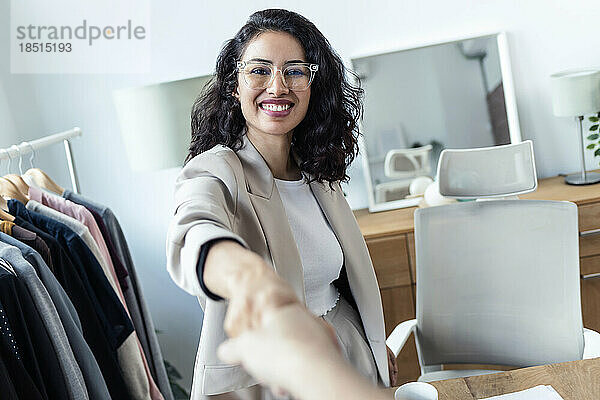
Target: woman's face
x: 278, y: 48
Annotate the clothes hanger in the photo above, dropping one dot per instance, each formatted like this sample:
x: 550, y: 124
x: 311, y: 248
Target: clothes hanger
x: 16, y: 179
x: 9, y: 190
x: 36, y: 177
x: 19, y: 183
x: 4, y: 215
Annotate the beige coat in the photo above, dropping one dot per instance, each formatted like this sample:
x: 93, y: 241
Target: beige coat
x: 221, y: 193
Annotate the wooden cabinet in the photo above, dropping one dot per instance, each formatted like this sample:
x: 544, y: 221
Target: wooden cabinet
x: 392, y: 267
x: 589, y: 217
x: 390, y: 238
x: 398, y: 306
x: 590, y: 303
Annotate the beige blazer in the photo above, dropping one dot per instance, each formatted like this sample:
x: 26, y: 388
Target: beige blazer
x: 221, y: 193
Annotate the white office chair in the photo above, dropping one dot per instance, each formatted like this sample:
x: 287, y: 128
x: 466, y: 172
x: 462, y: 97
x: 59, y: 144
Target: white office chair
x: 407, y: 163
x: 404, y: 165
x: 497, y: 281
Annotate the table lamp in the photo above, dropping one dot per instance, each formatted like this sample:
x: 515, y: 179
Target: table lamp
x: 576, y: 93
x: 155, y: 122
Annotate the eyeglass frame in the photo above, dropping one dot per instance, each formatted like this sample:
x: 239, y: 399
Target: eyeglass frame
x: 240, y: 65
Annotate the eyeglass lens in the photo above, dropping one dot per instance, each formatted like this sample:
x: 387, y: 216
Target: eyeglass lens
x: 295, y: 77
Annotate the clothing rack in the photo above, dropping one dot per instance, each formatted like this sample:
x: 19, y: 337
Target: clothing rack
x: 19, y: 150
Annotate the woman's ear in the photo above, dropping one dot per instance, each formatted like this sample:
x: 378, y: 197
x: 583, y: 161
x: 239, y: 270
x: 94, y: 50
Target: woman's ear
x: 235, y: 93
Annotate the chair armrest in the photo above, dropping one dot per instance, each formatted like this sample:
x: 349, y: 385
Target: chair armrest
x: 400, y: 335
x: 591, y: 340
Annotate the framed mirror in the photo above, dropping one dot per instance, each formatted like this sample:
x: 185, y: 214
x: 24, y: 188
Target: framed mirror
x: 422, y: 99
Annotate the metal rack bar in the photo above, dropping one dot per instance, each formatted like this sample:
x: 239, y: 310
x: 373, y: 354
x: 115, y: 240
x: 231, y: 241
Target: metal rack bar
x: 31, y: 146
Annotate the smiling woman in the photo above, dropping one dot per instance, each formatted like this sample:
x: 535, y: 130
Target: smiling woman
x: 326, y: 139
x: 261, y: 220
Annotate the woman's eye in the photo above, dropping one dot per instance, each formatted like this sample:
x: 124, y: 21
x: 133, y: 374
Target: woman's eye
x: 260, y: 71
x: 295, y: 72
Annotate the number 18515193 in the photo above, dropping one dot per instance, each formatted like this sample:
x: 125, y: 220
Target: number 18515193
x: 45, y: 47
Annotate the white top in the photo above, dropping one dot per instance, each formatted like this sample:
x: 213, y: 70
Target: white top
x: 320, y: 252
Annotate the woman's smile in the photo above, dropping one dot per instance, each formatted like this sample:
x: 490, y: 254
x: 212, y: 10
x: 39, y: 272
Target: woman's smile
x: 276, y: 107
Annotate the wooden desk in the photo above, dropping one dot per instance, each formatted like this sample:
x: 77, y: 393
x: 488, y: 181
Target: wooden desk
x: 390, y: 239
x: 576, y: 380
x: 385, y: 223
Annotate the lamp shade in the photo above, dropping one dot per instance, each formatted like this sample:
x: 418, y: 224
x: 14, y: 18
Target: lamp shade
x: 155, y: 122
x: 575, y: 92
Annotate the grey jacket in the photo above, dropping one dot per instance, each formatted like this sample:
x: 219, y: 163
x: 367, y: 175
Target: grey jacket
x: 74, y: 381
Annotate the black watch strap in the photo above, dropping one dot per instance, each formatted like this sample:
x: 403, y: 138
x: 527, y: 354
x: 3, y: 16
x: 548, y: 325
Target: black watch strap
x: 200, y: 268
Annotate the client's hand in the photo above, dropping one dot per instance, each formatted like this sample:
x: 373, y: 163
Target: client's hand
x: 286, y: 349
x: 298, y: 352
x: 257, y: 294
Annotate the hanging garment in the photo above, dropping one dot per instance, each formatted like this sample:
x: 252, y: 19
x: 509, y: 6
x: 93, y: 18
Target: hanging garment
x: 10, y: 351
x: 94, y: 381
x: 34, y: 241
x: 83, y: 216
x: 79, y: 219
x: 89, y: 218
x: 120, y: 269
x: 9, y: 391
x: 73, y: 379
x: 81, y: 230
x: 29, y: 339
x: 104, y: 326
x: 133, y: 295
x: 80, y: 254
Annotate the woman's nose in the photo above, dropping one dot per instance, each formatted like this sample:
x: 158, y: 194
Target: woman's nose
x: 277, y: 86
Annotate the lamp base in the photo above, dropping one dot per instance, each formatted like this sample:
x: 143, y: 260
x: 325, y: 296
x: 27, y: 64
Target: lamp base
x: 576, y: 179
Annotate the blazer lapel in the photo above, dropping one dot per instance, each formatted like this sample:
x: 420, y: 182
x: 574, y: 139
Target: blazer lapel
x: 269, y: 209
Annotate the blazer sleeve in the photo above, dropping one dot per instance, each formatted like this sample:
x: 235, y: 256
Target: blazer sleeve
x: 205, y: 206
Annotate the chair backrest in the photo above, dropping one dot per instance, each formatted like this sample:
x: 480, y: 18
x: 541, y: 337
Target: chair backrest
x: 407, y: 163
x: 498, y: 281
x: 487, y: 172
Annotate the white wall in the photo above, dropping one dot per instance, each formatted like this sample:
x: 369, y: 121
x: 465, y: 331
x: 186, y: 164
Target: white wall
x: 544, y: 37
x: 7, y: 123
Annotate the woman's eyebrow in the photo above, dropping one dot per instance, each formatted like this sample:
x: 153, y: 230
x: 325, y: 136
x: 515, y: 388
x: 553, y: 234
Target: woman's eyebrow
x: 271, y: 62
x: 261, y: 60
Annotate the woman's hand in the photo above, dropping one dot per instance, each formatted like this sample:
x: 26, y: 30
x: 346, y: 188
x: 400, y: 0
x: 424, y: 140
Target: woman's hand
x: 393, y: 367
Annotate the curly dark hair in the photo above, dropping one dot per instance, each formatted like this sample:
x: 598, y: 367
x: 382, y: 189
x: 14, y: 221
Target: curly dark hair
x: 326, y: 140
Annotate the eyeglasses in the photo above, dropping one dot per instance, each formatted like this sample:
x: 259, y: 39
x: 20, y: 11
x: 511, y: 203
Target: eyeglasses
x: 260, y: 75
